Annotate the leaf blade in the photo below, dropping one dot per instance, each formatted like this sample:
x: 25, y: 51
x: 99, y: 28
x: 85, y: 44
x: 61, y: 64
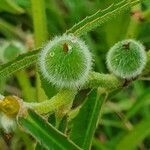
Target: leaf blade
x: 21, y: 62
x: 45, y: 133
x: 86, y: 120
x: 101, y: 17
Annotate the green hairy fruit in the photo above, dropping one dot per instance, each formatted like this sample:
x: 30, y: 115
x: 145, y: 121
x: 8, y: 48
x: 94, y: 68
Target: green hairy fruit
x: 65, y: 62
x: 126, y: 59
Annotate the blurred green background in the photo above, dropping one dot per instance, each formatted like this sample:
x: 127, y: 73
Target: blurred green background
x: 125, y: 113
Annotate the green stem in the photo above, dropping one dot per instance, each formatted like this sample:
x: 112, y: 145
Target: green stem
x: 107, y: 81
x: 39, y: 22
x: 60, y: 100
x: 41, y: 36
x: 135, y: 22
x: 132, y: 30
x: 65, y: 97
x: 24, y: 82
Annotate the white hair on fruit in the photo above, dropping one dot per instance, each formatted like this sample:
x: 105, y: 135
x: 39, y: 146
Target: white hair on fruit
x: 60, y: 82
x: 134, y: 73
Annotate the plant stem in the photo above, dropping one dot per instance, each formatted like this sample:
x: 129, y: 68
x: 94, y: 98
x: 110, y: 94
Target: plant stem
x: 41, y: 36
x: 107, y: 81
x: 24, y: 82
x: 39, y: 22
x: 137, y: 19
x: 63, y: 98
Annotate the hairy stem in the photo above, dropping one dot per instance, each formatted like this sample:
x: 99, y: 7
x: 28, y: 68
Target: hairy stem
x: 61, y: 99
x: 65, y: 97
x: 107, y: 81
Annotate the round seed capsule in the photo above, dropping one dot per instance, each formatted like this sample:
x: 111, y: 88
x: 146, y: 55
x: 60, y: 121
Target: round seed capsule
x: 126, y: 59
x: 65, y: 62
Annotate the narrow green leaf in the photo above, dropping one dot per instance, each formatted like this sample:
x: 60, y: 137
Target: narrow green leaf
x: 10, y: 6
x: 45, y: 133
x: 21, y: 62
x: 135, y: 137
x: 101, y: 17
x: 84, y: 124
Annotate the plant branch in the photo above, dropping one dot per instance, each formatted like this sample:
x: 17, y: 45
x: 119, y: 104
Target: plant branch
x: 61, y: 99
x: 40, y: 35
x: 107, y: 81
x: 39, y: 22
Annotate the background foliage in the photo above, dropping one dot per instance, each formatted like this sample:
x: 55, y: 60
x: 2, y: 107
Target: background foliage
x: 125, y: 122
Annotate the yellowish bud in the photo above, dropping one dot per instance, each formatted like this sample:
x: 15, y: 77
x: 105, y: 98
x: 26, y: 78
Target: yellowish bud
x: 10, y: 106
